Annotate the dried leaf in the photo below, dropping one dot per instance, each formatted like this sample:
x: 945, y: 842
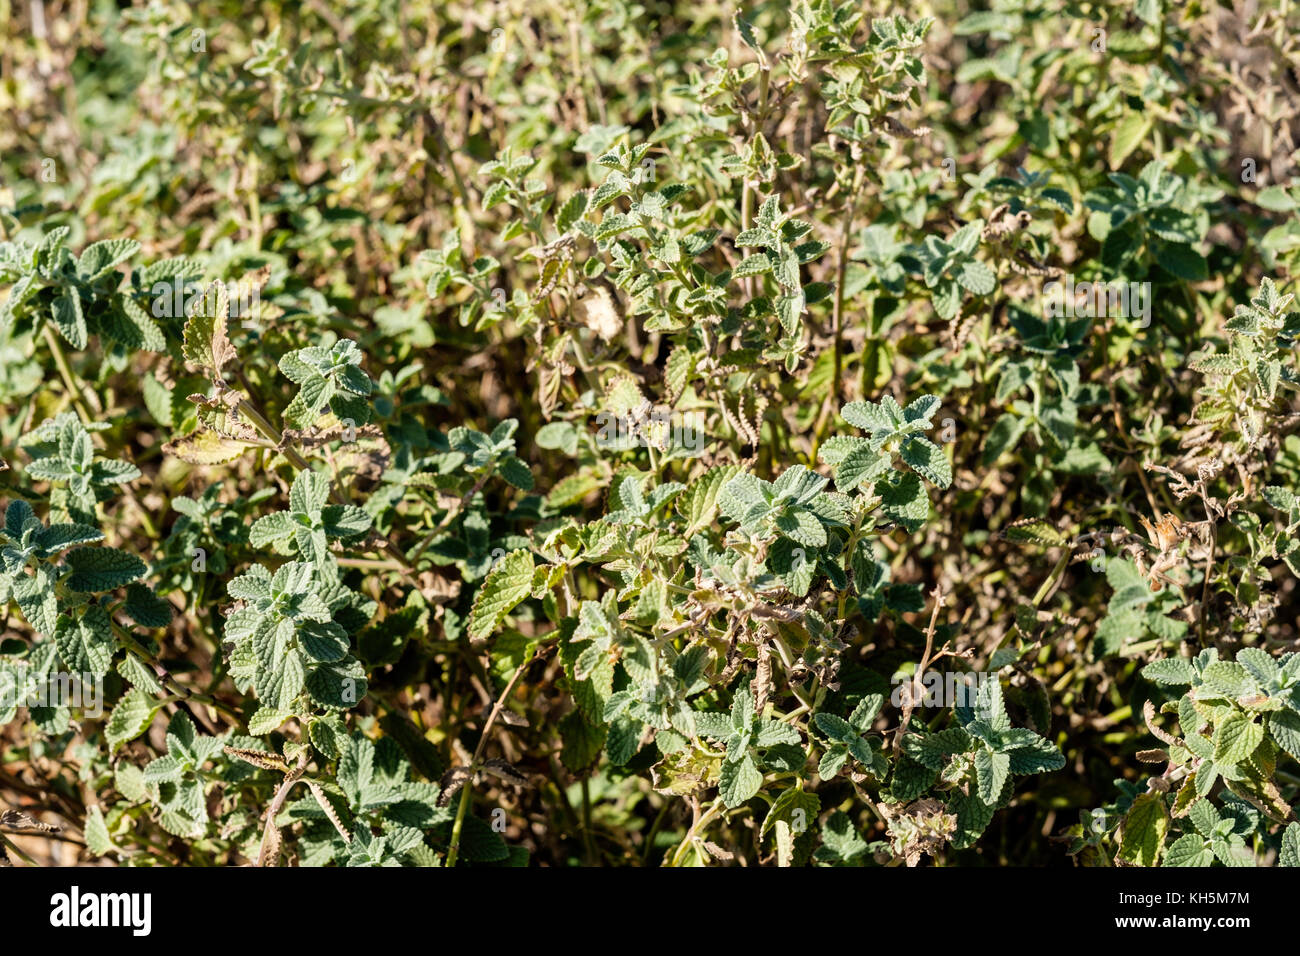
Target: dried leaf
x: 451, y: 782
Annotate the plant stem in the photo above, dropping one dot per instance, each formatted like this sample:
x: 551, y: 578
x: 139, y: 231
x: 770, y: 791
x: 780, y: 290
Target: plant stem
x: 586, y: 822
x: 454, y: 851
x: 654, y: 830
x: 270, y: 832
x: 841, y: 267
x: 450, y: 516
x: 1046, y: 586
x: 166, y: 679
x: 706, y: 818
x: 65, y: 373
x: 269, y: 431
x: 910, y: 702
x: 78, y: 402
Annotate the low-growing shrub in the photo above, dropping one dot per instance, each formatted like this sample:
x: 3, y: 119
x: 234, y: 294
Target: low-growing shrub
x: 649, y: 434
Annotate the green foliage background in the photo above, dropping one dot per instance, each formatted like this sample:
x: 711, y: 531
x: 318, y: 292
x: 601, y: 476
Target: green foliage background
x: 579, y: 433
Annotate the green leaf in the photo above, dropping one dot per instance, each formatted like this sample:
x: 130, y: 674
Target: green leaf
x: 130, y: 718
x: 928, y: 460
x: 507, y: 585
x: 1181, y: 261
x: 973, y: 818
x: 206, y: 336
x: 1002, y: 437
x: 834, y: 727
x: 498, y: 192
x: 1205, y: 818
x: 114, y: 472
x: 772, y: 733
x: 1236, y: 738
x: 1036, y: 530
x: 1171, y: 670
x: 559, y: 435
x: 904, y: 501
x: 1128, y: 135
x: 866, y: 710
x: 1290, y: 852
x: 128, y: 323
x: 991, y: 772
x: 98, y: 569
x: 34, y: 595
x: 867, y: 416
x: 1258, y: 663
x: 145, y: 607
x: 796, y: 808
x: 69, y: 320
x: 265, y: 720
x: 1149, y: 11
x: 270, y: 529
x: 309, y: 492
x: 699, y: 503
x: 756, y: 264
x: 1276, y: 199
x: 739, y: 494
x: 97, y: 839
x: 841, y: 842
x: 1284, y: 727
x: 976, y: 277
x: 1189, y: 850
x: 712, y: 725
x: 583, y: 742
x: 746, y: 31
x: 1143, y: 831
x: 1227, y: 678
x: 860, y: 464
x: 678, y: 370
x: 1039, y: 757
x: 739, y: 781
x: 571, y: 211
x: 99, y: 258
x: 203, y: 447
x: 129, y: 780
x: 139, y: 674
x: 802, y: 527
x: 516, y: 472
x: 163, y: 769
x: 934, y: 750
x: 345, y: 521
x: 789, y: 310
x: 831, y: 762
x: 86, y: 643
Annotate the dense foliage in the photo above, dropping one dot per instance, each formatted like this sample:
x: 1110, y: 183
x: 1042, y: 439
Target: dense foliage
x: 649, y: 433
